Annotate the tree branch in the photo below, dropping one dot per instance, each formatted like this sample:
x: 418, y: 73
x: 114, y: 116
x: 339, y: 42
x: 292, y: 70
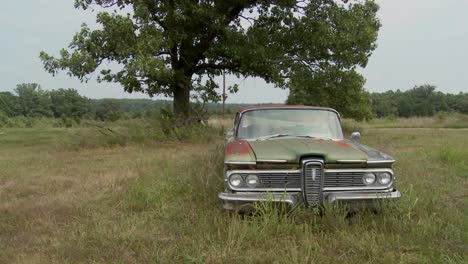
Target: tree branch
x: 251, y: 20
x: 232, y: 12
x: 163, y: 53
x: 220, y: 66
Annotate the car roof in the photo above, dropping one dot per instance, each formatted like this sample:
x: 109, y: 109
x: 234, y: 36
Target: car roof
x: 261, y: 107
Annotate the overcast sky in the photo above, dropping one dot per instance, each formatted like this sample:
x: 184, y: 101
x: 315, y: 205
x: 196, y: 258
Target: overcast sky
x: 420, y: 42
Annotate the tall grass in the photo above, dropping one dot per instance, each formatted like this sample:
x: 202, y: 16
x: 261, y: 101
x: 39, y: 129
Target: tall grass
x: 440, y: 120
x: 157, y: 203
x: 37, y: 122
x: 135, y: 131
x: 181, y: 198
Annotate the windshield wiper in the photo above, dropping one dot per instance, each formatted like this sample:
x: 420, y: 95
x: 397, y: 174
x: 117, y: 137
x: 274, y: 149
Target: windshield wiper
x: 288, y: 135
x: 272, y: 136
x: 306, y: 136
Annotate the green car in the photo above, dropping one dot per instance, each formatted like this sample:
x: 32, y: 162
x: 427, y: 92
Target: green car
x: 298, y: 155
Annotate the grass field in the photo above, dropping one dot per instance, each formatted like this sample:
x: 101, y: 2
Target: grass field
x: 440, y: 120
x: 74, y: 196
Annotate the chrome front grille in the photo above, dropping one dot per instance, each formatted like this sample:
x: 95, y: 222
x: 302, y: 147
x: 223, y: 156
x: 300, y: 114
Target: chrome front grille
x: 313, y: 180
x: 282, y: 180
x: 345, y: 179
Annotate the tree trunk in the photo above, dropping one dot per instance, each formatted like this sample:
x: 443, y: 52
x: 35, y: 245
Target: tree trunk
x: 181, y: 90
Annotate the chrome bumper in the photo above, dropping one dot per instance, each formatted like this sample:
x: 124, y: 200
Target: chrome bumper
x: 240, y: 200
x: 362, y: 196
x: 237, y: 201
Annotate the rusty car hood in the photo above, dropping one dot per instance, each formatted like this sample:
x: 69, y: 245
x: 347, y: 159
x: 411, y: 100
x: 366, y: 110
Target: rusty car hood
x: 291, y: 150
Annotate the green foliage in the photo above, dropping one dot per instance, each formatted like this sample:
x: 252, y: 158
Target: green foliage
x: 165, y: 46
x: 420, y: 101
x: 163, y: 125
x: 31, y: 105
x: 4, y: 120
x: 342, y: 91
x: 107, y: 109
x: 9, y: 104
x: 68, y: 103
x: 32, y: 100
x: 29, y: 122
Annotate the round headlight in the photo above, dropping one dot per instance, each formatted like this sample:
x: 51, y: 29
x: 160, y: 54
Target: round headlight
x: 235, y: 180
x: 385, y: 178
x: 252, y: 180
x: 368, y: 178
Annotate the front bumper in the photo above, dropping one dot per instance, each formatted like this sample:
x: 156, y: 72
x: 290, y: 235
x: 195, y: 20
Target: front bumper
x: 241, y: 200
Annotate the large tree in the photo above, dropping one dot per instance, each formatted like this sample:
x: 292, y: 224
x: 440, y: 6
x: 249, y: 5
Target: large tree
x: 163, y: 47
x: 32, y: 100
x: 340, y: 89
x: 68, y: 103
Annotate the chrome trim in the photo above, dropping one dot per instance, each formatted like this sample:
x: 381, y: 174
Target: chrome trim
x: 375, y: 186
x: 359, y: 196
x: 272, y: 161
x: 351, y: 161
x: 312, y: 160
x: 362, y: 191
x: 240, y: 162
x: 230, y: 172
x: 292, y: 107
x: 304, y: 191
x: 266, y: 189
x: 356, y: 136
x: 366, y: 161
x: 234, y: 201
x: 361, y: 170
x: 263, y: 171
x: 290, y: 198
x: 380, y: 161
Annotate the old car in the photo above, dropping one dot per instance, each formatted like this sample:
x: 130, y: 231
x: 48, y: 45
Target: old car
x: 298, y: 155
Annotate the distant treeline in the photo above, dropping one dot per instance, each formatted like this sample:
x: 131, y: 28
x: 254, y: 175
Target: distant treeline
x: 29, y: 100
x: 422, y: 100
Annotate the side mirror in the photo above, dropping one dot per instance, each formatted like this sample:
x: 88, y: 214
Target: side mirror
x: 355, y: 136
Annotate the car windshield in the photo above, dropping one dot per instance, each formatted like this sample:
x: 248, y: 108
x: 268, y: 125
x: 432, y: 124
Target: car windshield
x: 272, y: 123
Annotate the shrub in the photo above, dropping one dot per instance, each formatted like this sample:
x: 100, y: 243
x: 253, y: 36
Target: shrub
x: 4, y: 120
x: 66, y: 122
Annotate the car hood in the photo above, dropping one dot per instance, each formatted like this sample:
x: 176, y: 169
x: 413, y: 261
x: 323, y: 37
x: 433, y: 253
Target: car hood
x: 291, y: 150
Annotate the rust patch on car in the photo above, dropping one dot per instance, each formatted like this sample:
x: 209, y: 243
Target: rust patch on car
x: 342, y: 144
x: 238, y: 147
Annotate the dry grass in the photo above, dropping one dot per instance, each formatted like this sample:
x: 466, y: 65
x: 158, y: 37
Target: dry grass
x: 440, y: 120
x: 63, y: 202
